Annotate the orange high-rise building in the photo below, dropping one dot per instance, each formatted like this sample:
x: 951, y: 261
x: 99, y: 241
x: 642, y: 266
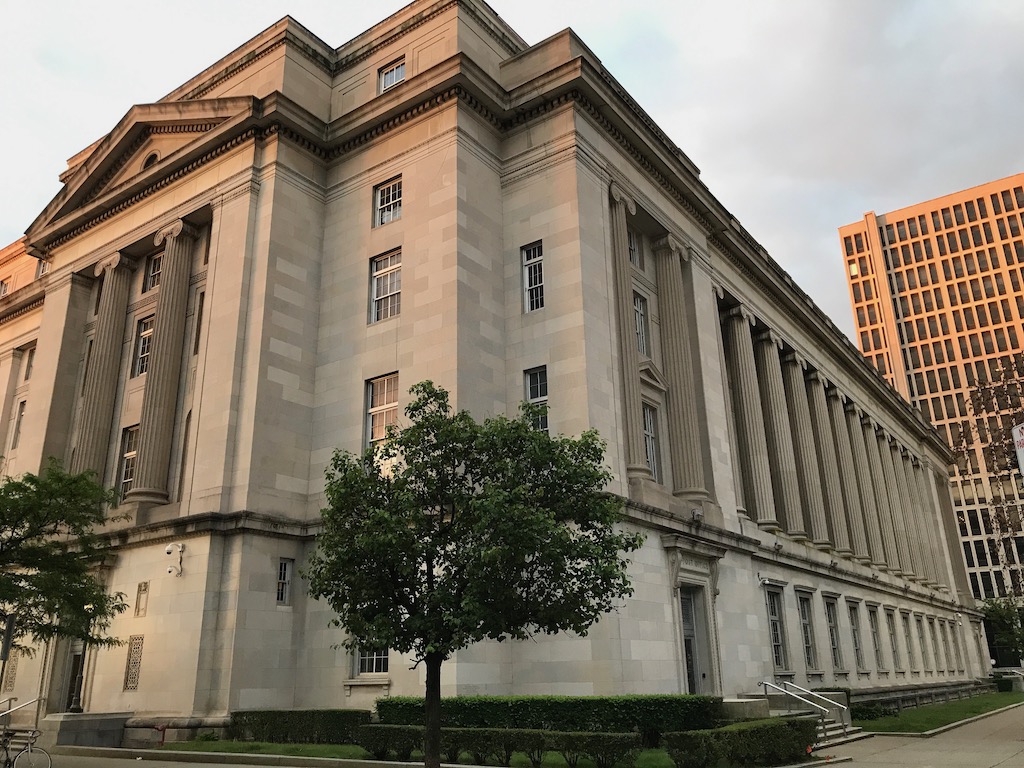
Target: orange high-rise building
x: 937, y: 296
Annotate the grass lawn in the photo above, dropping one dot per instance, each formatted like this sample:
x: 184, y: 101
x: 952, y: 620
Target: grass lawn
x: 926, y: 718
x: 649, y: 758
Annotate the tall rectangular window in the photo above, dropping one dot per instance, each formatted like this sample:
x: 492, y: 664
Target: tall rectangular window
x: 387, y: 202
x: 391, y: 75
x: 533, y: 275
x: 5, y: 286
x: 935, y: 646
x: 858, y: 647
x: 141, y: 599
x: 143, y: 345
x: 19, y: 417
x: 807, y: 631
x: 30, y: 358
x: 200, y: 300
x: 285, y: 567
x: 42, y: 267
x: 386, y: 274
x: 383, y: 410
x: 651, y: 449
x: 372, y: 661
x: 151, y: 279
x: 537, y: 393
x: 894, y: 641
x: 636, y: 249
x: 776, y: 628
x: 129, y: 458
x: 876, y: 641
x: 909, y: 640
x: 641, y: 326
x: 832, y: 620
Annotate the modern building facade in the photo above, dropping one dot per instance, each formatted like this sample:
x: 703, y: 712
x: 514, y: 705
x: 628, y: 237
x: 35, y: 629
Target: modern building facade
x: 939, y: 309
x: 251, y: 272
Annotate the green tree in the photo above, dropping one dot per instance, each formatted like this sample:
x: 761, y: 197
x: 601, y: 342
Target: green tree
x: 50, y: 553
x: 1005, y: 617
x: 453, y: 531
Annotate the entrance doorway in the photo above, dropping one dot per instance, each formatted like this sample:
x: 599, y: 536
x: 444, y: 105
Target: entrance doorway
x: 691, y: 611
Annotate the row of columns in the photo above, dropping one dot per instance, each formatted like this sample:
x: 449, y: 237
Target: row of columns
x: 815, y: 466
x: 684, y: 444
x: 156, y: 424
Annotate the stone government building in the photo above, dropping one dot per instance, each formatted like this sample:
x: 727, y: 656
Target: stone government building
x: 253, y: 270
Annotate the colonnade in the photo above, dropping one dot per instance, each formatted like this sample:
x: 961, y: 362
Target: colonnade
x: 156, y: 424
x: 818, y: 467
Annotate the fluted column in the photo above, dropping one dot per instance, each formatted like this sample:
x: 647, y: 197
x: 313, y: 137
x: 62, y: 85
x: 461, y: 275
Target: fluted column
x: 753, y: 457
x: 864, y: 486
x: 913, y: 561
x: 889, y: 507
x: 779, y: 435
x: 848, y: 474
x: 929, y: 522
x: 104, y: 367
x: 683, y: 428
x: 629, y: 355
x: 156, y: 425
x: 803, y: 444
x: 835, y: 510
x: 881, y: 506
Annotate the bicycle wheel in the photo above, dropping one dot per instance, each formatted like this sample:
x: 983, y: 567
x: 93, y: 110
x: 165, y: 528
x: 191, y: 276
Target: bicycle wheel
x: 32, y: 757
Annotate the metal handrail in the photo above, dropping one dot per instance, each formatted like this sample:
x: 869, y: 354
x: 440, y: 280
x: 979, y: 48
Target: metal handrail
x: 8, y: 700
x: 842, y: 720
x: 767, y: 685
x: 20, y: 706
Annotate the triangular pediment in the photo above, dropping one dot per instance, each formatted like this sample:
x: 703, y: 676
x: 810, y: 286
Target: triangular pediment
x: 145, y: 144
x: 651, y: 376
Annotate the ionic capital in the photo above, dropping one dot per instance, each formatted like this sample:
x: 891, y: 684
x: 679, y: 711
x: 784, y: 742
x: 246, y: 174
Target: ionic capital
x: 618, y: 195
x: 112, y: 262
x: 792, y: 358
x: 668, y: 247
x: 833, y: 392
x: 741, y: 312
x: 769, y: 337
x: 176, y: 229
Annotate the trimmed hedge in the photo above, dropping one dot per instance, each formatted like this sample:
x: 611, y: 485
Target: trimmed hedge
x: 757, y: 742
x: 871, y: 710
x: 298, y: 726
x: 605, y: 749
x: 648, y: 715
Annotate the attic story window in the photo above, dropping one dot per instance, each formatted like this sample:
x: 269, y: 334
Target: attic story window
x: 392, y: 75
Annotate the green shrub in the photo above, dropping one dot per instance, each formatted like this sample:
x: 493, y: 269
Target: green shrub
x: 871, y: 710
x: 770, y: 742
x: 305, y: 726
x: 383, y: 740
x: 649, y: 715
x: 607, y: 749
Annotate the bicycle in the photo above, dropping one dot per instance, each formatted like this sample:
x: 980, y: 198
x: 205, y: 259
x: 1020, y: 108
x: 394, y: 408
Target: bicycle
x: 27, y: 755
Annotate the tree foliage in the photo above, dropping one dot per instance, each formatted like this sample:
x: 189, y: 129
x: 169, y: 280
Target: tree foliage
x: 1006, y: 621
x: 50, y: 553
x: 453, y: 531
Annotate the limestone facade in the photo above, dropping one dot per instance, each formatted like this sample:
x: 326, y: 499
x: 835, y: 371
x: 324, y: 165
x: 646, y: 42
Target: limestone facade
x: 252, y: 271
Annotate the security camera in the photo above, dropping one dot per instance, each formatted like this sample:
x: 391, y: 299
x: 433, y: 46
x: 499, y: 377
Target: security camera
x: 170, y: 569
x: 169, y: 549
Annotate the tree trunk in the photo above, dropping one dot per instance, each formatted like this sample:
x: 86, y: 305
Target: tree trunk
x: 432, y: 710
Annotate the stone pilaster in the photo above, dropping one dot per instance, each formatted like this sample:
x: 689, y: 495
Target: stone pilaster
x: 683, y: 428
x: 929, y: 522
x: 156, y: 426
x: 104, y: 366
x: 755, y: 465
x: 832, y: 488
x: 629, y: 355
x: 895, y: 546
x: 848, y: 477
x: 805, y: 451
x: 779, y: 435
x: 879, y: 524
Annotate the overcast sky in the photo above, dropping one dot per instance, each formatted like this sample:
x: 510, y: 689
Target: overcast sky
x: 801, y: 114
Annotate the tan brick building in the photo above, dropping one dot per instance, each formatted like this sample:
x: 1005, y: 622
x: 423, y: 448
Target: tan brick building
x: 939, y: 307
x: 252, y: 271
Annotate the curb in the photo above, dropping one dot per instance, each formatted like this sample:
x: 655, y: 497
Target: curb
x: 950, y: 727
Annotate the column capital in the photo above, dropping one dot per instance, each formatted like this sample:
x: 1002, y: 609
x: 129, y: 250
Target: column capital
x: 743, y: 312
x: 869, y: 422
x: 619, y: 195
x: 814, y: 375
x: 853, y: 409
x: 176, y: 229
x: 768, y: 336
x: 112, y: 262
x: 794, y: 358
x: 669, y: 246
x: 833, y: 392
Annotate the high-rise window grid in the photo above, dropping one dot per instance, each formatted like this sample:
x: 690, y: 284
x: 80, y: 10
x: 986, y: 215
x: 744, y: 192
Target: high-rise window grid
x: 532, y: 256
x: 386, y: 274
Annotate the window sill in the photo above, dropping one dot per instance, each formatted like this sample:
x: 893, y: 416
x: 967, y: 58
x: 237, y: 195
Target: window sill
x: 367, y: 681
